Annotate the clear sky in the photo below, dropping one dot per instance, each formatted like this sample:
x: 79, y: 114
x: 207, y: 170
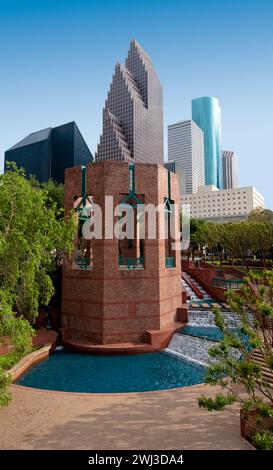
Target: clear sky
x: 57, y: 58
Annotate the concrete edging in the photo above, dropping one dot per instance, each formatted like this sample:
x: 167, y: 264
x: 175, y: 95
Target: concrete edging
x: 28, y: 361
x: 105, y: 394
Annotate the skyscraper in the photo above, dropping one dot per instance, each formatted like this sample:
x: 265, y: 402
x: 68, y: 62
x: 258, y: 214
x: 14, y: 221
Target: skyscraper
x: 178, y: 169
x: 206, y: 112
x: 186, y: 148
x: 48, y: 152
x: 133, y: 112
x: 230, y: 169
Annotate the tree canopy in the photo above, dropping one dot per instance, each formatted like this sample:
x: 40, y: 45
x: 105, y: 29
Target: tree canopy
x: 32, y: 232
x: 236, y: 239
x: 33, y: 235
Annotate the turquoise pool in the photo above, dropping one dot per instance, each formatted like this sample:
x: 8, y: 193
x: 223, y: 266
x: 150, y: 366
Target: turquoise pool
x: 213, y: 333
x: 209, y: 332
x: 73, y: 372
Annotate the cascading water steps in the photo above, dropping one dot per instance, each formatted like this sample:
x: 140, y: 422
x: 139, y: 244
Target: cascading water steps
x: 196, y: 348
x: 191, y: 348
x: 191, y: 292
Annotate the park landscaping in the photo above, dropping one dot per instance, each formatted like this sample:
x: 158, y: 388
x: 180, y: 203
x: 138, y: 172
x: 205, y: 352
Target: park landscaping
x: 35, y: 238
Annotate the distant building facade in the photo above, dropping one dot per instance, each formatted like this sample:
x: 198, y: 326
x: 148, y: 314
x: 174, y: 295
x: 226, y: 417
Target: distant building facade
x: 186, y: 149
x: 176, y: 168
x: 230, y: 169
x: 206, y: 113
x: 133, y: 112
x: 222, y: 205
x: 48, y: 152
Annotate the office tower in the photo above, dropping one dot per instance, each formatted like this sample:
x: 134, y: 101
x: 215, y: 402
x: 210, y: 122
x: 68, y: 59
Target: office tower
x: 230, y: 170
x: 133, y: 112
x: 223, y: 205
x: 176, y: 168
x: 206, y: 112
x: 48, y: 152
x: 186, y: 148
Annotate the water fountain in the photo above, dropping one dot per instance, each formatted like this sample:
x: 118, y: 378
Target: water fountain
x: 195, y: 348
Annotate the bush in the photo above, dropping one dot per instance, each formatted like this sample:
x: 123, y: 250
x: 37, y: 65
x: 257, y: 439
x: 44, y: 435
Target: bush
x: 5, y: 395
x: 6, y: 362
x: 20, y: 333
x: 230, y: 370
x: 263, y: 440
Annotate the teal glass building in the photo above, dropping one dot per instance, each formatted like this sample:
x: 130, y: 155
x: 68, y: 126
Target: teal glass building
x: 206, y: 113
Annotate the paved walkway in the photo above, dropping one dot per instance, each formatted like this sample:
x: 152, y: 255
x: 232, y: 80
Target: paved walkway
x: 156, y: 420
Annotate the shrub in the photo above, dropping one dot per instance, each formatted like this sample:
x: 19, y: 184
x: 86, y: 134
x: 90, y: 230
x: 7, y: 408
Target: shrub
x: 231, y: 370
x: 263, y: 440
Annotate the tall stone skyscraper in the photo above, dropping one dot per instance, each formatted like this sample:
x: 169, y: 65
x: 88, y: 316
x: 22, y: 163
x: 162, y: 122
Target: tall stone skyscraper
x: 230, y: 170
x: 133, y: 112
x: 186, y: 148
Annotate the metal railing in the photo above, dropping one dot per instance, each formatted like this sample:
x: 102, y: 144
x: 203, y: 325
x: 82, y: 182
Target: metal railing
x: 131, y: 263
x: 228, y: 283
x: 81, y: 262
x: 169, y: 262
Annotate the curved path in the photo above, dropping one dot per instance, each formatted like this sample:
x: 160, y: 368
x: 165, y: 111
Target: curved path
x: 171, y: 419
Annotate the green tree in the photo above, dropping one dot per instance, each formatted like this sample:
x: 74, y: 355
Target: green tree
x: 208, y: 236
x: 16, y: 332
x: 229, y: 371
x: 54, y: 191
x: 239, y: 239
x: 196, y: 238
x: 261, y: 215
x: 55, y: 194
x: 33, y: 233
x: 263, y: 238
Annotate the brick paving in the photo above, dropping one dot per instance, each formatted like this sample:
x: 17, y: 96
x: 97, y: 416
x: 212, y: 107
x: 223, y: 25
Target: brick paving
x: 155, y: 420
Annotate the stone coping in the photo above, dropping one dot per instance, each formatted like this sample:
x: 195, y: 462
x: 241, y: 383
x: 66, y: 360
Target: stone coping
x: 82, y: 346
x: 113, y: 394
x: 157, y: 340
x: 28, y: 361
x: 41, y: 354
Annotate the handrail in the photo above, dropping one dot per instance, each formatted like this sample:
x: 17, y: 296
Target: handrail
x: 169, y: 262
x: 82, y: 262
x: 131, y: 263
x: 227, y: 283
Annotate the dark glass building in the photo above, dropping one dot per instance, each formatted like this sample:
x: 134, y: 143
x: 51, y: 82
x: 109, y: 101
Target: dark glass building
x: 48, y: 152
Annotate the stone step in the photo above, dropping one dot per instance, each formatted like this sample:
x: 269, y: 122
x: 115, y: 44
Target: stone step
x: 268, y: 376
x: 257, y: 358
x: 264, y: 368
x: 268, y: 382
x: 257, y: 353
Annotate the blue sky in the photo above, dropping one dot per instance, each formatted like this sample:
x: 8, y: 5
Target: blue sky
x: 57, y: 59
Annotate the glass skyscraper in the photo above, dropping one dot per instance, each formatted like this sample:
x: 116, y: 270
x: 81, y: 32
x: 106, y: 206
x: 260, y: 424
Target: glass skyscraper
x: 206, y: 113
x: 47, y: 153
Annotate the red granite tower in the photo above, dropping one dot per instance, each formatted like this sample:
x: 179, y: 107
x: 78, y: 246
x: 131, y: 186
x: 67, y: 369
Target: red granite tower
x: 122, y: 295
